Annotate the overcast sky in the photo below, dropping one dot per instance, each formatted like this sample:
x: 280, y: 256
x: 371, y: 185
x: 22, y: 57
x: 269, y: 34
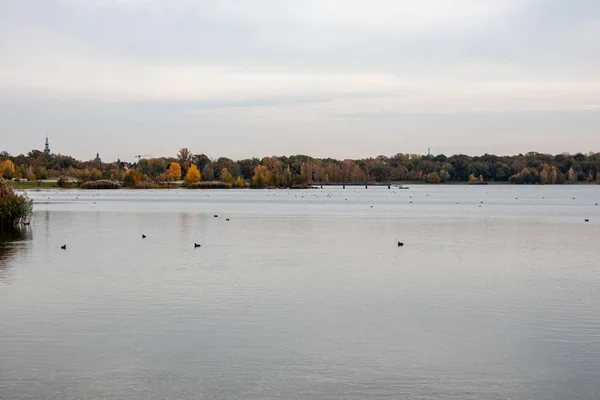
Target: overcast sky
x: 339, y: 78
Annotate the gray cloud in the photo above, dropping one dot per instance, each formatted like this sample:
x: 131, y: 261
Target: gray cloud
x: 264, y: 76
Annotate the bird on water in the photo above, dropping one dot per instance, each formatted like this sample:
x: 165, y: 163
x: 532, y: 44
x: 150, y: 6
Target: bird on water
x: 196, y: 245
x: 400, y: 244
x: 143, y: 236
x: 64, y: 247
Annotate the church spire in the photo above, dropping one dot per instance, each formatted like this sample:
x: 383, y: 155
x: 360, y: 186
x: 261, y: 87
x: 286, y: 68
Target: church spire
x: 47, y: 146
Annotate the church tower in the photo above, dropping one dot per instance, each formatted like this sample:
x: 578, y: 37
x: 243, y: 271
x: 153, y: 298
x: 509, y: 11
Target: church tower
x: 47, y: 146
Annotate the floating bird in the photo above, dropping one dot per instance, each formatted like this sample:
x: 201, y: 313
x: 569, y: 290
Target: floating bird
x: 196, y: 245
x: 227, y: 219
x: 587, y: 220
x: 216, y: 216
x: 64, y: 247
x: 400, y: 244
x: 143, y: 236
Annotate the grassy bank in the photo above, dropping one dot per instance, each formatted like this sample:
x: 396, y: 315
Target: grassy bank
x: 34, y: 185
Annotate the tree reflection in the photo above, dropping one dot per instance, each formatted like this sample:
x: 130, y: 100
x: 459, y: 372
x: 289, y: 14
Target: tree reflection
x: 9, y: 245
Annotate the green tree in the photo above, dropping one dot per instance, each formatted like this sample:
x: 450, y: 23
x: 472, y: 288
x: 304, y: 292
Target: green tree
x: 445, y: 176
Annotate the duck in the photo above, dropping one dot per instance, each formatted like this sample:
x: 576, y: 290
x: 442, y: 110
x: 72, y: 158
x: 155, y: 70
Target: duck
x: 64, y: 247
x: 216, y: 216
x: 196, y: 245
x: 143, y: 236
x: 227, y: 219
x: 400, y: 244
x: 587, y: 220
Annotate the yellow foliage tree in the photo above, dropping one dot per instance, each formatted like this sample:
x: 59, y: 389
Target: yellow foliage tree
x: 174, y: 171
x: 7, y: 169
x: 193, y: 175
x: 545, y: 175
x: 572, y: 176
x: 226, y: 176
x: 30, y: 174
x: 433, y: 178
x: 262, y: 177
x: 240, y: 182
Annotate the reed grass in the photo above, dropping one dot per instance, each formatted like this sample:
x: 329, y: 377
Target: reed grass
x: 209, y: 185
x: 101, y: 184
x: 15, y: 209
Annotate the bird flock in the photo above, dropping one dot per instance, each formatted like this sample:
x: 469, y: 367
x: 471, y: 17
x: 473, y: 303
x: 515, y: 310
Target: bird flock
x: 328, y: 195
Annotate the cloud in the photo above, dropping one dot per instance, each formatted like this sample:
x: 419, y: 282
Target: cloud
x: 277, y: 66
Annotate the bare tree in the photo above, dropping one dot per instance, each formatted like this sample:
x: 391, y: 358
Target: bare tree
x: 184, y: 155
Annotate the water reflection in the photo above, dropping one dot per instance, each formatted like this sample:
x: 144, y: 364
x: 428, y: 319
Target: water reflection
x: 9, y: 245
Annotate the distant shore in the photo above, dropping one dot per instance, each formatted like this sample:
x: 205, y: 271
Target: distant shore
x: 47, y: 185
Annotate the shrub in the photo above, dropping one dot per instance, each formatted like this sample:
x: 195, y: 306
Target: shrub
x: 301, y: 186
x: 146, y: 185
x: 61, y: 182
x: 209, y: 185
x: 14, y: 208
x: 433, y: 178
x: 101, y: 184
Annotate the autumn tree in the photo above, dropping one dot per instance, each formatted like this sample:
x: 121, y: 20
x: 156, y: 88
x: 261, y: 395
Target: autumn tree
x: 590, y: 177
x: 132, y: 177
x: 7, y: 169
x: 225, y: 176
x: 444, y: 176
x: 240, y: 182
x: 571, y: 175
x: 193, y: 175
x: 30, y: 174
x: 262, y: 177
x: 545, y: 175
x: 175, y: 170
x: 434, y: 178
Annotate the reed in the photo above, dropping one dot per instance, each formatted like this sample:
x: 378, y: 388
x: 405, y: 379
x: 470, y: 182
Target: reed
x: 210, y: 185
x: 15, y: 209
x: 101, y: 184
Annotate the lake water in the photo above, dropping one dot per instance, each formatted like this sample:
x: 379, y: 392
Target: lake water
x: 304, y: 295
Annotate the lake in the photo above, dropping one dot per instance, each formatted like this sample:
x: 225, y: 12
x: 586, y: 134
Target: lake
x: 304, y: 294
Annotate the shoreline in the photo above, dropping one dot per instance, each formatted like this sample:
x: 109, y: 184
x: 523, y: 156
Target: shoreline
x: 35, y: 186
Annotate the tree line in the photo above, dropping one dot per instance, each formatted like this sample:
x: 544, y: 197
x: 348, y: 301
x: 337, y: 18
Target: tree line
x: 287, y: 171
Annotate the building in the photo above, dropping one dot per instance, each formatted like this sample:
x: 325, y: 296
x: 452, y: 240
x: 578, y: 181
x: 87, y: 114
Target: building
x: 47, y: 146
